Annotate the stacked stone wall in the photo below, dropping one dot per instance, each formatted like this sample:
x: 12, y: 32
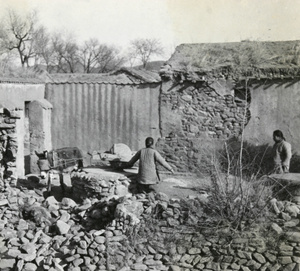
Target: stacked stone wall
x: 98, y: 186
x: 8, y: 143
x: 145, y: 233
x: 204, y: 115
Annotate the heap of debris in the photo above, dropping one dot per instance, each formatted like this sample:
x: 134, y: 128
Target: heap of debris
x: 132, y: 232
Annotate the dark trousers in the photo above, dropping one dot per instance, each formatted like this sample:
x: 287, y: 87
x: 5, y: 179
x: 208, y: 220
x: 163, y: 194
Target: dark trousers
x: 146, y: 188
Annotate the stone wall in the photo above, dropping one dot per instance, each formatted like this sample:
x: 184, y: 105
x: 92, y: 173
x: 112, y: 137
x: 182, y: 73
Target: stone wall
x: 14, y: 94
x: 194, y: 113
x: 143, y: 233
x: 8, y: 142
x: 98, y: 185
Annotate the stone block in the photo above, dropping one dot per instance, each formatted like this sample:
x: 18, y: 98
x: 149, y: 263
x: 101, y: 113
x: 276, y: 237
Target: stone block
x: 30, y: 267
x: 276, y: 228
x: 293, y: 237
x: 7, y: 263
x: 187, y: 98
x: 289, y: 267
x: 139, y: 266
x: 100, y: 239
x: 270, y: 257
x: 67, y: 203
x: 62, y: 227
x: 259, y: 257
x: 285, y: 260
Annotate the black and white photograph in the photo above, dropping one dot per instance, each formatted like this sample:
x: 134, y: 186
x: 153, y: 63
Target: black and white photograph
x: 149, y: 135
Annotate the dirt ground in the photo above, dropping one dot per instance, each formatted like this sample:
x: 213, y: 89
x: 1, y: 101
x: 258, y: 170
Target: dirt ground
x: 180, y: 186
x: 174, y: 185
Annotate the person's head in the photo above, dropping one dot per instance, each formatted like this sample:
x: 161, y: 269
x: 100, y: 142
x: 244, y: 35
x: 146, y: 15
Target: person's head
x: 278, y: 136
x: 149, y: 142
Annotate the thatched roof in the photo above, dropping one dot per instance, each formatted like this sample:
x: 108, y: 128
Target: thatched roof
x: 124, y: 76
x: 23, y: 76
x: 251, y: 59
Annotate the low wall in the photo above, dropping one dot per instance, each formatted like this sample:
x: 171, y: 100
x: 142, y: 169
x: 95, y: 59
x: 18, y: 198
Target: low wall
x: 163, y: 237
x: 96, y: 183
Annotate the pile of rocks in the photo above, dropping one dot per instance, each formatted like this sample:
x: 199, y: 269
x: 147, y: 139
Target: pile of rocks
x: 133, y: 232
x: 98, y: 185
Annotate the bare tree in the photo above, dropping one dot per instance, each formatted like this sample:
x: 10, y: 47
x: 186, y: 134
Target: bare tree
x: 65, y: 53
x: 6, y: 62
x: 18, y: 34
x: 44, y: 49
x: 144, y: 49
x: 97, y: 57
x: 109, y: 59
x: 131, y: 58
x: 88, y: 55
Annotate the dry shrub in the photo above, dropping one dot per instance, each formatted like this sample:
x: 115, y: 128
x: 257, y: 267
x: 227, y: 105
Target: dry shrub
x: 237, y: 194
x: 234, y: 201
x: 255, y: 160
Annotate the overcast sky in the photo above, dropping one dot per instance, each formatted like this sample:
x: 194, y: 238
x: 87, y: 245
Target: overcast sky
x: 171, y: 21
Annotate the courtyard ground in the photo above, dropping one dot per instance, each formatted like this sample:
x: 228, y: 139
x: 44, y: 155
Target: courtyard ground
x: 174, y: 185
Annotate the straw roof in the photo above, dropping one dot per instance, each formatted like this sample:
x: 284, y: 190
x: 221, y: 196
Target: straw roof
x: 251, y: 59
x: 124, y: 76
x: 23, y: 76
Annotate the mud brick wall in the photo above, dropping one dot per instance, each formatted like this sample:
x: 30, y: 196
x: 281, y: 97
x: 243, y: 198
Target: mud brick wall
x: 8, y: 143
x: 193, y: 114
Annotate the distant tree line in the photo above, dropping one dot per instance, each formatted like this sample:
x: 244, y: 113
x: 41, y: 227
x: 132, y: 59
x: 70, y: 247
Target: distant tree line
x: 25, y: 41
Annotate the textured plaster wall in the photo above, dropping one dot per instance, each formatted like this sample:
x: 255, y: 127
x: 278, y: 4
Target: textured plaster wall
x: 19, y: 93
x: 20, y: 131
x: 40, y: 130
x: 274, y: 105
x: 95, y: 116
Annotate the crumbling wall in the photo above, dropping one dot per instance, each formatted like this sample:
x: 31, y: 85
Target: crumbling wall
x: 194, y: 113
x: 144, y: 232
x: 98, y: 185
x: 9, y: 143
x: 13, y: 95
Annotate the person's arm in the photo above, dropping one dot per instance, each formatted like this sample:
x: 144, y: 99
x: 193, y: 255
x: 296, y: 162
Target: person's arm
x: 288, y: 154
x: 162, y: 161
x: 132, y: 160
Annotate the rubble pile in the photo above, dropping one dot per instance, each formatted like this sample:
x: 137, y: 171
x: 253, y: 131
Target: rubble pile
x: 88, y: 185
x: 132, y: 232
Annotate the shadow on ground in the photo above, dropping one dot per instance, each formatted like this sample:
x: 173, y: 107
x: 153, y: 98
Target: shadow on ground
x: 33, y: 182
